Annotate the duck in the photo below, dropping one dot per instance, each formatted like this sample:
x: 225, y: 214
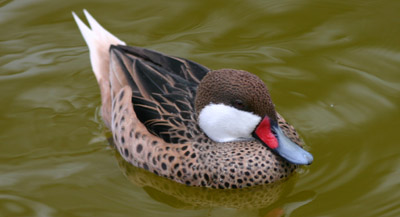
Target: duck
x: 182, y: 121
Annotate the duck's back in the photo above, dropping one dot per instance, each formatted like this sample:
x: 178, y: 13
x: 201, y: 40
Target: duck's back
x: 163, y: 89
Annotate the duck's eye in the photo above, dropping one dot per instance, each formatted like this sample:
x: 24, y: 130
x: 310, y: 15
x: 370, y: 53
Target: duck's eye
x: 239, y: 104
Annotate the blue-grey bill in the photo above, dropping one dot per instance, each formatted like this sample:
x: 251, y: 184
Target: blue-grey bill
x: 290, y: 150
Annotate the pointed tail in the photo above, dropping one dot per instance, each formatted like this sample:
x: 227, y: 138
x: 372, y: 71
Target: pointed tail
x: 99, y: 41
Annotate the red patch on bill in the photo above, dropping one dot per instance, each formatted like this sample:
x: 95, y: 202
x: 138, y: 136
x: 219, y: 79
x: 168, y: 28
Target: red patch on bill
x: 264, y: 133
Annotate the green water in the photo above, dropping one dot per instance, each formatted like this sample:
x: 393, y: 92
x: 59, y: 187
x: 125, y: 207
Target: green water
x: 332, y: 68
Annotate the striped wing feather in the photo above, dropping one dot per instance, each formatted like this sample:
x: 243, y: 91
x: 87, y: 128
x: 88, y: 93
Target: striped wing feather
x: 163, y: 89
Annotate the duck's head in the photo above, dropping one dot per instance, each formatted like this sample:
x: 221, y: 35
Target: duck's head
x: 234, y: 105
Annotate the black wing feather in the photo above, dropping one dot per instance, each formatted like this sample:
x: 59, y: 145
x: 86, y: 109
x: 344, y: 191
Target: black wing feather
x: 164, y: 89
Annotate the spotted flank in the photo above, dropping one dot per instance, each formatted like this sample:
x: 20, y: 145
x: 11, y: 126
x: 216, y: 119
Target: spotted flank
x: 185, y: 122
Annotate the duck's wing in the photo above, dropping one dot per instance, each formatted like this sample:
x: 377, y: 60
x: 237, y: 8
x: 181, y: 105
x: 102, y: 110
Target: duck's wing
x: 163, y: 87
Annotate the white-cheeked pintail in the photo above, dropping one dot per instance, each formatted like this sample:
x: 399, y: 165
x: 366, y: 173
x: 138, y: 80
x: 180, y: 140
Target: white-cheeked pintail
x: 183, y: 121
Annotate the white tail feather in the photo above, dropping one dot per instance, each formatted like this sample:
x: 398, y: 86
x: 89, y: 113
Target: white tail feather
x: 99, y: 41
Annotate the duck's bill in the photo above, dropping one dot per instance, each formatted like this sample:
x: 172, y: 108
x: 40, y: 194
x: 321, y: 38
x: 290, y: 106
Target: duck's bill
x: 290, y: 150
x: 273, y: 137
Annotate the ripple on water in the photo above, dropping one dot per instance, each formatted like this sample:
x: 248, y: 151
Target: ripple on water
x: 11, y: 205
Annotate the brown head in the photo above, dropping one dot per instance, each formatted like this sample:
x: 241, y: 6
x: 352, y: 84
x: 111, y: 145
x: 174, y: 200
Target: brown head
x: 236, y: 88
x: 234, y: 105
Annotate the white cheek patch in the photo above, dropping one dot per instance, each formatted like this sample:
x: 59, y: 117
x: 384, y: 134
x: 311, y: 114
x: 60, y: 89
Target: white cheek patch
x: 224, y: 123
